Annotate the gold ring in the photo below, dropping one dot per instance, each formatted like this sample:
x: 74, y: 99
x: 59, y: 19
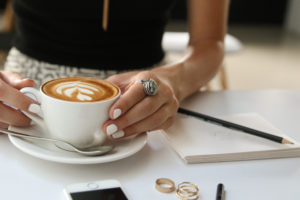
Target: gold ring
x: 192, y: 197
x: 187, y: 191
x: 188, y: 187
x: 164, y: 185
x: 185, y: 194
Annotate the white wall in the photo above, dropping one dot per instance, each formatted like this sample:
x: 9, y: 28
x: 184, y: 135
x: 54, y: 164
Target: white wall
x: 293, y: 16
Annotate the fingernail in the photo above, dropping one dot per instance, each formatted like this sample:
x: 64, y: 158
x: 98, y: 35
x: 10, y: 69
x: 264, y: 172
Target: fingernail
x: 118, y: 134
x: 34, y: 108
x: 117, y: 113
x: 112, y: 128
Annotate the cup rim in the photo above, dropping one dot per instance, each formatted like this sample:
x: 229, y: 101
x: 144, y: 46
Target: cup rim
x: 77, y: 102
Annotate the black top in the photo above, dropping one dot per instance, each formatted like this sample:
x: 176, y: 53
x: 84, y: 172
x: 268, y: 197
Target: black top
x: 69, y: 32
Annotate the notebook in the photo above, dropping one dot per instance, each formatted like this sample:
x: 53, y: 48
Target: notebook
x: 197, y: 141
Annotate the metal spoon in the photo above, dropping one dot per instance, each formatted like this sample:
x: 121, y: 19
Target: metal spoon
x: 91, y: 151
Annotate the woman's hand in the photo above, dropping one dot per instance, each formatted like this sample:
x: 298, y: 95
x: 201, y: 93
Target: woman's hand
x: 135, y: 112
x: 10, y: 84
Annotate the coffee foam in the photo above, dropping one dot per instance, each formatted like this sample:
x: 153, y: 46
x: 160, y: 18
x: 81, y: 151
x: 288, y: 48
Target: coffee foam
x: 80, y: 89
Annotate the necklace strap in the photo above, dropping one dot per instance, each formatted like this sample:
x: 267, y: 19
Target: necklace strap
x: 105, y: 14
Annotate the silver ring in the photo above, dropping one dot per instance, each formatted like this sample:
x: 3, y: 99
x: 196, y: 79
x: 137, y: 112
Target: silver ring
x: 150, y: 87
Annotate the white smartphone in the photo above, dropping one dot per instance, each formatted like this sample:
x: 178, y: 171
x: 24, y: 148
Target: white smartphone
x: 98, y: 190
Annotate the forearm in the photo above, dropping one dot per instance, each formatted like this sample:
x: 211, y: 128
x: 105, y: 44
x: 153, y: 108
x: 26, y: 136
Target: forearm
x: 195, y: 69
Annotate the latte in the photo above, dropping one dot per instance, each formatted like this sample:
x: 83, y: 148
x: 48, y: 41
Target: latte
x: 80, y: 89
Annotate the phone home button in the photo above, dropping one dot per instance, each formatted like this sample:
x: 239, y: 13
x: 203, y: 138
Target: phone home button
x: 92, y: 185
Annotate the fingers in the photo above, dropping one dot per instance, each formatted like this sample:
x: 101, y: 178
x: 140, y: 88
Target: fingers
x: 140, y: 111
x: 134, y: 112
x: 157, y: 119
x: 23, y: 83
x: 133, y: 91
x: 131, y: 97
x: 121, y: 79
x: 14, y: 97
x: 11, y: 116
x: 15, y: 80
x: 3, y: 125
x: 166, y: 124
x: 10, y: 83
x: 120, y: 128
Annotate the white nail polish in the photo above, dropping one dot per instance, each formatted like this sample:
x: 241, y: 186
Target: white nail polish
x: 118, y: 134
x: 34, y: 108
x: 117, y: 113
x: 111, y: 129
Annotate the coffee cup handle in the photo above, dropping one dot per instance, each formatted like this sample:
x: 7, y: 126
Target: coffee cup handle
x: 36, y: 116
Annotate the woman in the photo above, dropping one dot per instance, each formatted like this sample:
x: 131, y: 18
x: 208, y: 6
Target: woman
x: 118, y: 41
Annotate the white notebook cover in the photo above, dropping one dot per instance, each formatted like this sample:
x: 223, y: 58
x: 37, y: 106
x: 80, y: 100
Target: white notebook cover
x: 198, y: 141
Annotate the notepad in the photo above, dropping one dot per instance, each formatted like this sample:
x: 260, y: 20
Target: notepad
x: 197, y: 141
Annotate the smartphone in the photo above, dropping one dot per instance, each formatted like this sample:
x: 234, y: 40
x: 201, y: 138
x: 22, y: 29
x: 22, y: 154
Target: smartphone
x: 98, y: 190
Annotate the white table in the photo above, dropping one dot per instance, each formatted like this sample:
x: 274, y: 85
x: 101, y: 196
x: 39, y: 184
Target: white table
x: 29, y: 178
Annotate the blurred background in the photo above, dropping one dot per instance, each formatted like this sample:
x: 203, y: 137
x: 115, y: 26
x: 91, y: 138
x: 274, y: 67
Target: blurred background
x: 269, y: 34
x: 262, y: 45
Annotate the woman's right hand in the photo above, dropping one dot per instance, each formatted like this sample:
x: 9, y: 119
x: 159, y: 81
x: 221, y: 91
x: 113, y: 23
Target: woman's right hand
x: 10, y: 84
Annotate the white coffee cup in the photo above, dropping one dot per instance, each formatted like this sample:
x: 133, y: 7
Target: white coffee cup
x: 79, y: 123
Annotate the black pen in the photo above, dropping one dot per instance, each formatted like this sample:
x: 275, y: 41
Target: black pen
x: 220, y: 192
x: 231, y: 125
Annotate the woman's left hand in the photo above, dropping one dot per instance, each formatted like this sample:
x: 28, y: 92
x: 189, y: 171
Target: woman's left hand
x: 135, y: 112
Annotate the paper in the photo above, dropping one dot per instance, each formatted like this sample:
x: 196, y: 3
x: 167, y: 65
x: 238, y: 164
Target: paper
x: 198, y: 141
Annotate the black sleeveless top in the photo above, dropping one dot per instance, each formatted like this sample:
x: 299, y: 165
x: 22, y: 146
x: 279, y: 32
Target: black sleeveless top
x: 69, y: 32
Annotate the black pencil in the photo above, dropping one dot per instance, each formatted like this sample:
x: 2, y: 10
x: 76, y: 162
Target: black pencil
x: 231, y: 125
x: 220, y: 192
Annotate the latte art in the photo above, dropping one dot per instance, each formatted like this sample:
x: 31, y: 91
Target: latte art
x: 80, y: 89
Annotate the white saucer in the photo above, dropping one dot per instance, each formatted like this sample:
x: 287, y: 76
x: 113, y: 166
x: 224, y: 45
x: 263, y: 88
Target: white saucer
x: 48, y: 151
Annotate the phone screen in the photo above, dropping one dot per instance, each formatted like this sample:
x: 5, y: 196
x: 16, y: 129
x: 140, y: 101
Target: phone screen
x: 101, y: 194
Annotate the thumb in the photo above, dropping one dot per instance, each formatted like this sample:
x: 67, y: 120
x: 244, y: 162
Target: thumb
x: 16, y: 80
x: 116, y: 79
x: 124, y: 80
x: 19, y: 84
x: 122, y: 84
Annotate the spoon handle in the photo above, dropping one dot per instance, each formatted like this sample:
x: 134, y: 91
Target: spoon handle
x: 62, y: 144
x: 23, y: 135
